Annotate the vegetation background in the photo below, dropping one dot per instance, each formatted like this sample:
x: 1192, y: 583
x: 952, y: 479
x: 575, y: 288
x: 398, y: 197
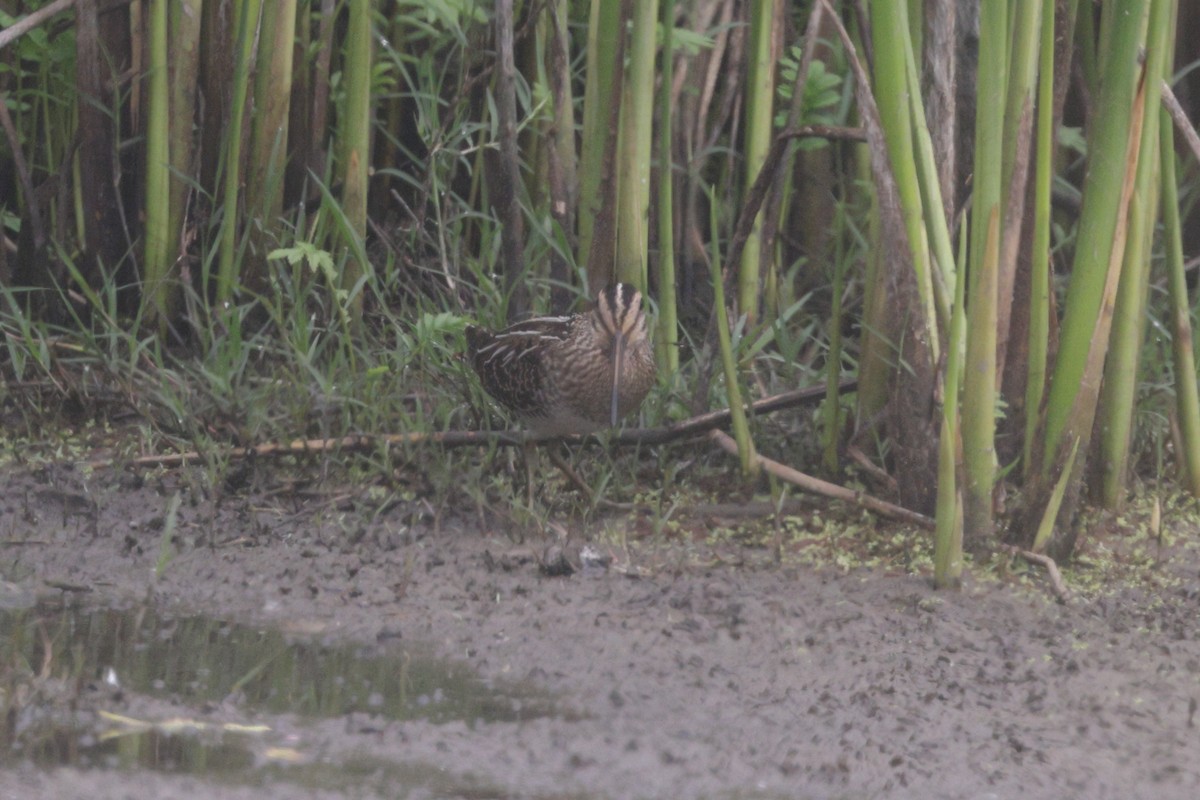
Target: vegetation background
x: 233, y: 222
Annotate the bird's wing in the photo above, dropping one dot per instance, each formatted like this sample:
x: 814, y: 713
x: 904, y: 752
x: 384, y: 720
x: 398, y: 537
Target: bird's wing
x: 512, y: 363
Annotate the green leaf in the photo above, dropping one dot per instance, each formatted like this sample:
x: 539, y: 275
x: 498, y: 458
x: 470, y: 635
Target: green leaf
x: 1072, y: 139
x: 689, y: 42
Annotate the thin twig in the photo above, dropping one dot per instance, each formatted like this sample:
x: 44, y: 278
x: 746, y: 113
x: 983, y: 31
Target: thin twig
x: 580, y: 484
x: 860, y: 458
x: 762, y: 183
x: 31, y: 21
x: 24, y: 176
x: 702, y: 423
x: 1056, y: 582
x: 1182, y: 123
x: 817, y: 486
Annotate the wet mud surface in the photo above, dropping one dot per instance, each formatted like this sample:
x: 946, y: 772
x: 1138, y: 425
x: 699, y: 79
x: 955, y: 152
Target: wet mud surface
x: 666, y: 674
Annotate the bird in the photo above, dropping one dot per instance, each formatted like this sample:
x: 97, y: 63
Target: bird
x: 574, y: 374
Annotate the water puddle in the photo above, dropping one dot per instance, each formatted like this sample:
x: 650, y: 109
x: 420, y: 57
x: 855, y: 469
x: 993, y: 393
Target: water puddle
x: 133, y: 690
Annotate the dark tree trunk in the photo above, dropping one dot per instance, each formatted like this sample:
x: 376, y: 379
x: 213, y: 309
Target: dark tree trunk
x: 102, y: 55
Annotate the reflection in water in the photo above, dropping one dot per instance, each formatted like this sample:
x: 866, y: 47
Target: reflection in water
x: 68, y: 674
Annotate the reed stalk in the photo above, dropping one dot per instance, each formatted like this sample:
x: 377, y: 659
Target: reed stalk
x: 354, y: 142
x: 633, y: 166
x: 890, y: 33
x: 247, y: 24
x: 184, y: 21
x: 156, y: 291
x: 948, y: 534
x: 605, y: 30
x: 831, y: 409
x: 1187, y: 401
x: 1020, y: 94
x: 760, y: 104
x: 1117, y: 394
x: 943, y: 273
x: 1098, y: 267
x: 1098, y: 223
x: 979, y: 377
x: 733, y: 390
x: 269, y: 126
x: 667, y: 341
x: 1040, y: 273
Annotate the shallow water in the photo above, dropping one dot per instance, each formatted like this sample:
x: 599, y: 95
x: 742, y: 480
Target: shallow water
x: 132, y: 689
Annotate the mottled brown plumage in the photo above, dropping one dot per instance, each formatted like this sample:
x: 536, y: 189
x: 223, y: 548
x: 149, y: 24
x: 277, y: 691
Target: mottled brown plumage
x: 574, y: 374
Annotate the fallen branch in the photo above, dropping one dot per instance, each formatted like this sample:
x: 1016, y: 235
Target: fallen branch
x: 868, y: 466
x: 1180, y: 118
x: 31, y: 21
x: 366, y: 442
x: 702, y: 423
x: 1056, y: 582
x: 817, y: 486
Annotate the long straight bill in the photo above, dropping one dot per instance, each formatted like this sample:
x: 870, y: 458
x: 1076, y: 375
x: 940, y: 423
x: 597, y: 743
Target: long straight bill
x: 618, y: 368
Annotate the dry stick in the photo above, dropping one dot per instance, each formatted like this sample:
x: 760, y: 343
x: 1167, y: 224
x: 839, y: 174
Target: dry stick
x: 714, y: 419
x: 508, y: 168
x: 1056, y: 582
x: 831, y: 490
x: 860, y: 458
x: 1182, y: 123
x: 31, y: 21
x: 364, y: 442
x: 23, y: 174
x: 766, y: 175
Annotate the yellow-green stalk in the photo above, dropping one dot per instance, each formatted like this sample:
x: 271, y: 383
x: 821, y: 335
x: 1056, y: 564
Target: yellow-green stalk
x: 248, y: 14
x: 1025, y: 28
x: 183, y: 24
x: 948, y: 535
x: 733, y: 390
x: 1026, y: 41
x: 355, y: 138
x: 604, y: 33
x: 633, y: 167
x: 1187, y: 401
x: 875, y: 361
x: 979, y: 373
x: 1129, y: 320
x: 1046, y: 525
x: 942, y: 276
x: 831, y: 410
x: 269, y: 127
x: 667, y: 341
x: 1081, y: 416
x: 1098, y: 224
x: 890, y: 31
x: 1039, y: 291
x: 760, y: 97
x: 1087, y: 55
x: 156, y: 291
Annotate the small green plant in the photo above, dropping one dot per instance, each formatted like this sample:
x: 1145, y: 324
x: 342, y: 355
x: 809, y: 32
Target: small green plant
x: 823, y: 94
x: 166, y: 543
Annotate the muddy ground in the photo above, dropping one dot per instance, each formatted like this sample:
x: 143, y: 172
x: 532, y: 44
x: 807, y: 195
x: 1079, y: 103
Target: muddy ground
x: 683, y: 669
